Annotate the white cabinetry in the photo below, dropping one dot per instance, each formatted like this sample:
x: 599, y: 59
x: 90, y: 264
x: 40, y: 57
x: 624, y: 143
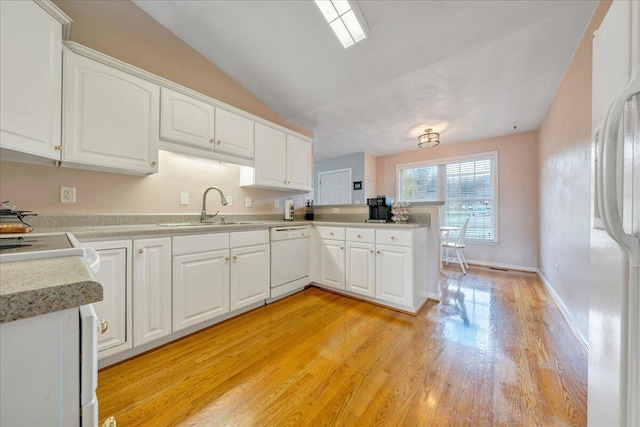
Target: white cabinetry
x: 200, y: 278
x: 271, y: 157
x: 151, y: 289
x: 282, y: 161
x: 187, y: 121
x: 250, y: 268
x: 387, y: 266
x: 361, y: 261
x: 111, y: 118
x: 30, y: 81
x: 299, y: 164
x: 116, y: 306
x: 233, y: 134
x: 331, y: 271
x: 394, y: 278
x: 217, y: 273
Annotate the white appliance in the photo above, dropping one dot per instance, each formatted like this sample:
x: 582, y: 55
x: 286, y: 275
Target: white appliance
x: 289, y: 260
x: 31, y: 246
x: 614, y: 310
x: 51, y: 377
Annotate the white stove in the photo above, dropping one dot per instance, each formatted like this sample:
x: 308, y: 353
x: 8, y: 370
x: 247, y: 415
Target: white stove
x: 32, y: 246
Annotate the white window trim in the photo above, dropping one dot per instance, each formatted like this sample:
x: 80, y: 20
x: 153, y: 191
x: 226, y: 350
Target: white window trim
x: 458, y: 159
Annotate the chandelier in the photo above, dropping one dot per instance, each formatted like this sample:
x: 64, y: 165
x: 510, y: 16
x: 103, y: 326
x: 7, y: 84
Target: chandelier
x: 428, y: 139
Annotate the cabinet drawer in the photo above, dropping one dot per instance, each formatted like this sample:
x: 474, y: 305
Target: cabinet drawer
x: 361, y: 235
x: 394, y: 237
x: 333, y: 233
x: 200, y: 243
x: 249, y: 238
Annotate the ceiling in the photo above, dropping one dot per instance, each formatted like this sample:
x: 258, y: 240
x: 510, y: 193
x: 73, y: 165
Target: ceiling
x: 469, y: 69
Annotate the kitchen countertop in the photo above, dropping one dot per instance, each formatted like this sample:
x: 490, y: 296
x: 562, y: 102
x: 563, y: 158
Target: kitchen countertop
x: 32, y: 288
x: 115, y: 231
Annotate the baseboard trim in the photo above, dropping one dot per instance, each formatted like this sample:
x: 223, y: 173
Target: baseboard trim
x: 584, y: 341
x: 503, y: 266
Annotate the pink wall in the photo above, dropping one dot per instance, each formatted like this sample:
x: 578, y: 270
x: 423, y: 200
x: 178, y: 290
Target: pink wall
x: 517, y: 187
x: 122, y: 30
x: 565, y: 182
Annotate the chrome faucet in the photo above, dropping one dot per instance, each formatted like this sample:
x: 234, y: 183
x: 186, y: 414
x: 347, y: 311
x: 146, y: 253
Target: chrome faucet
x: 203, y: 214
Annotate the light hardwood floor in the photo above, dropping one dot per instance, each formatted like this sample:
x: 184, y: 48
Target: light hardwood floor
x: 495, y: 351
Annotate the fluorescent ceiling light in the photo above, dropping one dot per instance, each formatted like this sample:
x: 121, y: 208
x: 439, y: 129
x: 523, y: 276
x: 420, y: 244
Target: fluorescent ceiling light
x: 342, y: 20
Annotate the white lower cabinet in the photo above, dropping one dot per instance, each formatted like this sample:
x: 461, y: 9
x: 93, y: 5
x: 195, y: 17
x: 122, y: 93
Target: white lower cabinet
x: 200, y: 287
x: 250, y: 274
x: 361, y: 268
x: 116, y: 306
x: 151, y: 289
x: 382, y: 265
x: 214, y: 274
x: 394, y: 274
x: 332, y: 263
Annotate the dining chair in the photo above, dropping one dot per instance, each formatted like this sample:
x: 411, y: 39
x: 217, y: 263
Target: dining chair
x: 457, y: 247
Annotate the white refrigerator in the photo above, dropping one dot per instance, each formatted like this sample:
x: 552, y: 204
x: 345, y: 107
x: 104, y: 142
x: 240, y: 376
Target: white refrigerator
x: 614, y: 307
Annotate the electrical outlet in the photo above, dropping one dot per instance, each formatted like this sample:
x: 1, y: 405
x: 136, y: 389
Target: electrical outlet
x: 229, y: 201
x: 67, y: 194
x: 248, y: 202
x: 184, y: 198
x: 276, y: 204
x: 336, y: 210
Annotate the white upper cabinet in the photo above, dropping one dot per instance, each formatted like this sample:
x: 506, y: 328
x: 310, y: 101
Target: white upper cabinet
x: 271, y: 157
x: 111, y: 118
x: 188, y: 121
x: 30, y: 81
x: 299, y: 167
x: 233, y: 134
x: 282, y: 161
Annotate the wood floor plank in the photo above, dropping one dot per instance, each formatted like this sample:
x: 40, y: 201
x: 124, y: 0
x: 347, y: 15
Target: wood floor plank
x: 495, y: 351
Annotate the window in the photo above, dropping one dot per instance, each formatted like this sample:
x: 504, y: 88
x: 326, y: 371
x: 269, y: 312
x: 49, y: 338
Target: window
x: 466, y: 184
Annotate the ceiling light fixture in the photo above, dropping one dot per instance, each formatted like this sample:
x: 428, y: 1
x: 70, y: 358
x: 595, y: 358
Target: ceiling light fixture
x: 428, y: 139
x: 342, y: 20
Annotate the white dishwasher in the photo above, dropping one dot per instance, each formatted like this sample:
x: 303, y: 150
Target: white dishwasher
x: 289, y: 260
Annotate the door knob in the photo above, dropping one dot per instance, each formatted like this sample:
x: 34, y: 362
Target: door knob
x: 154, y: 163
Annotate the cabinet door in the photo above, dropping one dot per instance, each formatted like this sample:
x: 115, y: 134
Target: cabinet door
x: 187, y: 121
x: 361, y: 268
x: 250, y: 273
x: 30, y: 79
x: 234, y: 134
x: 111, y: 118
x: 332, y: 260
x: 115, y: 307
x: 271, y: 157
x: 394, y: 274
x: 298, y: 164
x: 200, y: 287
x: 151, y: 289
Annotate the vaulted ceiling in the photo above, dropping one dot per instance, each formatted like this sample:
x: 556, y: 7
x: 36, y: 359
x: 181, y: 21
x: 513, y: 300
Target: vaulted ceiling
x: 469, y: 69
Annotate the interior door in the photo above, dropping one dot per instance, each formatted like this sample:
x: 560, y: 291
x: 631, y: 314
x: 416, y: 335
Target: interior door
x: 334, y: 187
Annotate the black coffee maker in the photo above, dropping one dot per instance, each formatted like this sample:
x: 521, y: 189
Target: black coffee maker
x: 379, y: 209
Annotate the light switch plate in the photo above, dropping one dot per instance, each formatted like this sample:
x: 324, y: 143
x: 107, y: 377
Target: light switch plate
x: 184, y: 198
x: 229, y: 201
x: 248, y: 202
